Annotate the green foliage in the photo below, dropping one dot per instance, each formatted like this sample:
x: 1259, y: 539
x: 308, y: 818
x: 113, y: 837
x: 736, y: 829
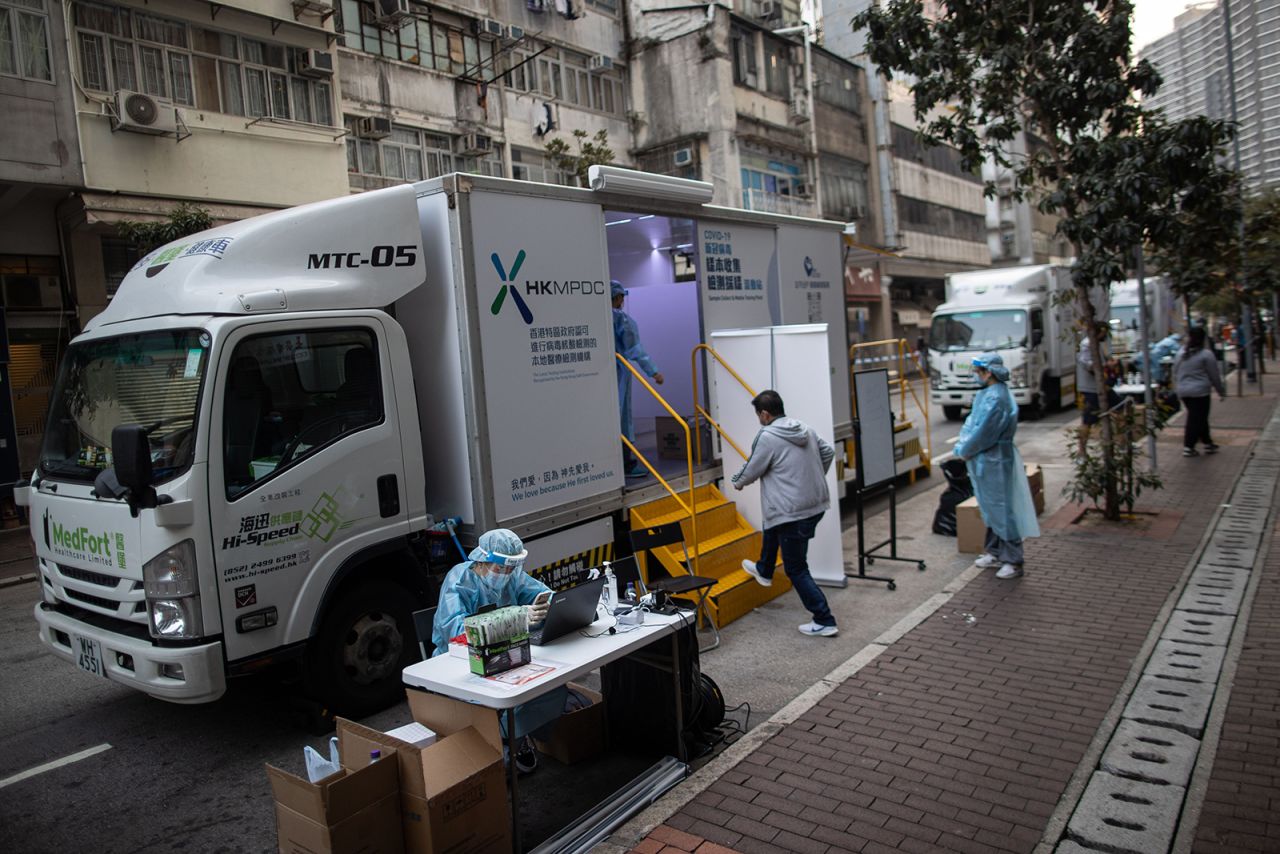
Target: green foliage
x: 1262, y: 243
x: 1117, y: 175
x: 591, y: 151
x: 183, y: 220
x: 1096, y: 474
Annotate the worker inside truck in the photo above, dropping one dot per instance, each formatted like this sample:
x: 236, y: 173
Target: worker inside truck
x: 493, y: 576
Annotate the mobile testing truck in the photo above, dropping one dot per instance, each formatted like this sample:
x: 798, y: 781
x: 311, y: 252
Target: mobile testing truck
x: 248, y: 448
x: 1014, y: 311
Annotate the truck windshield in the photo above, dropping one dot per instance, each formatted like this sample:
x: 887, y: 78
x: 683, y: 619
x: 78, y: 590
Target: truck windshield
x: 979, y: 330
x: 152, y: 379
x: 1124, y: 317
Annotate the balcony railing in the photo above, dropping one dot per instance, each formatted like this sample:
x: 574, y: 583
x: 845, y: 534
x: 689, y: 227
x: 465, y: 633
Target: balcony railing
x: 759, y: 200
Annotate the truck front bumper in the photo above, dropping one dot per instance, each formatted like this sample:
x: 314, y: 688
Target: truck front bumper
x: 964, y: 397
x: 137, y: 663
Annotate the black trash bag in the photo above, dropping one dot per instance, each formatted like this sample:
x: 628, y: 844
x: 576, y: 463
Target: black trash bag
x: 958, y: 490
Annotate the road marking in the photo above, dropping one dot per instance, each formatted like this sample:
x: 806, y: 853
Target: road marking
x: 57, y: 763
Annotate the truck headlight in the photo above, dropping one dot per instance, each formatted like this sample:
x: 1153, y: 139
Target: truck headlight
x: 935, y: 376
x: 1018, y: 376
x: 172, y: 585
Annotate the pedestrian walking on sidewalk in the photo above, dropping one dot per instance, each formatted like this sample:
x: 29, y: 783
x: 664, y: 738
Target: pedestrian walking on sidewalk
x: 790, y: 460
x: 995, y: 467
x: 1195, y: 375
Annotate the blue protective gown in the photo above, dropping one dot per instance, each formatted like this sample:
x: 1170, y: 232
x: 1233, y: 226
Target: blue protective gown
x: 995, y: 466
x: 626, y: 340
x: 464, y: 593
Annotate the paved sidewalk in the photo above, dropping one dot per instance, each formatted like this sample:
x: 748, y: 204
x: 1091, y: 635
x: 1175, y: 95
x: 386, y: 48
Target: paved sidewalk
x: 967, y: 732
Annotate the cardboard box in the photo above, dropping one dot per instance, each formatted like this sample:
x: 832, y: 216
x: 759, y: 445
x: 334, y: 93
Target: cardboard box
x: 1035, y: 480
x: 499, y: 657
x: 671, y: 437
x: 355, y: 811
x: 971, y: 531
x: 577, y: 735
x: 453, y: 794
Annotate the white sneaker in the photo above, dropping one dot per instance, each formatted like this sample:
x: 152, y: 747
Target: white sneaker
x: 750, y: 567
x: 817, y: 631
x: 986, y: 561
x: 1009, y: 571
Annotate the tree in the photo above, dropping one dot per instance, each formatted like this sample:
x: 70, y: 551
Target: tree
x: 1116, y: 175
x: 593, y: 151
x: 184, y: 219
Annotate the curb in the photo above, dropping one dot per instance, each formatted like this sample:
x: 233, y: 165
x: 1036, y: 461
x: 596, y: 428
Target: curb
x: 16, y: 580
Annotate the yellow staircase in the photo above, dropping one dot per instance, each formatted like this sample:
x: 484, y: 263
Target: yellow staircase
x: 726, y: 539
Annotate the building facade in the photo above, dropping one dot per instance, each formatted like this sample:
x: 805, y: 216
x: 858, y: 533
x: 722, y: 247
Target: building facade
x: 1018, y: 232
x: 1192, y: 60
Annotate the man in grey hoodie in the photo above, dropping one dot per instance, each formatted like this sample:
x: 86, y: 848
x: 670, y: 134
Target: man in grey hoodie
x: 790, y: 460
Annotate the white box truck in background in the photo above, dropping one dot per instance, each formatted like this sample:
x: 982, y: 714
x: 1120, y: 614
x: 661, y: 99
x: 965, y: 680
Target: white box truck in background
x: 1010, y: 310
x: 1162, y: 314
x: 248, y: 450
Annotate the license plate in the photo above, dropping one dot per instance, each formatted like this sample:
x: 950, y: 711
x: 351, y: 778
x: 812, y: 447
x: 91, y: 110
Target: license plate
x: 89, y: 655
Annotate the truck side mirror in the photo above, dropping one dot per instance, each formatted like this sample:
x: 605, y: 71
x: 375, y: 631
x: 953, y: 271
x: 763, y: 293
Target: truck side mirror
x: 1037, y: 335
x: 131, y: 459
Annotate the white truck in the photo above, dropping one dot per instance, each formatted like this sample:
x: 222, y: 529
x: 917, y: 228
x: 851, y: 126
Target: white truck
x: 1012, y: 311
x: 1162, y: 309
x: 248, y: 450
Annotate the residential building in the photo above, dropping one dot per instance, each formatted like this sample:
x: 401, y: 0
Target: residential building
x: 1018, y: 232
x: 932, y: 208
x: 121, y: 111
x: 1192, y: 60
x: 725, y: 97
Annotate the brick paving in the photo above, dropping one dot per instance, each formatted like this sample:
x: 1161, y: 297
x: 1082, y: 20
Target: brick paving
x: 1241, y: 810
x: 964, y: 734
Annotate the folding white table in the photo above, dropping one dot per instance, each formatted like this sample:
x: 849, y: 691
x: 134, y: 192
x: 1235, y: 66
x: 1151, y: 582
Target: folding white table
x: 572, y: 655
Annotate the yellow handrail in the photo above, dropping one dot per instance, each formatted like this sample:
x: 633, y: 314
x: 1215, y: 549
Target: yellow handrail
x: 692, y: 507
x: 693, y: 364
x: 904, y: 386
x: 707, y: 415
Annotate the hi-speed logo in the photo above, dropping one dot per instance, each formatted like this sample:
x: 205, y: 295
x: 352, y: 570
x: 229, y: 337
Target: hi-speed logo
x: 536, y: 287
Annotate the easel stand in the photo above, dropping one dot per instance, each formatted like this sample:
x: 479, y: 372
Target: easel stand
x: 865, y: 555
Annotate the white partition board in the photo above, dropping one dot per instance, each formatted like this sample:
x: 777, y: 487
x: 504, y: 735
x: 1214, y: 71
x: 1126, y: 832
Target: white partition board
x: 875, y: 424
x: 795, y: 362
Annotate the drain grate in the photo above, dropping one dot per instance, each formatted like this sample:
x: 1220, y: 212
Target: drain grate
x: 1176, y: 704
x: 1154, y: 754
x: 1116, y: 814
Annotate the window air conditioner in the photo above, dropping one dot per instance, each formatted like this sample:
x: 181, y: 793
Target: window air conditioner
x: 144, y: 113
x: 373, y: 127
x: 798, y: 109
x: 393, y: 13
x: 488, y: 28
x: 515, y: 33
x: 600, y: 62
x: 474, y: 144
x: 316, y: 63
x: 803, y: 189
x: 682, y: 156
x: 770, y: 10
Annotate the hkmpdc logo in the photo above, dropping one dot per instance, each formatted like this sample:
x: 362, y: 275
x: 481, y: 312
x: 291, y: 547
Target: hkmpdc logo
x: 509, y: 286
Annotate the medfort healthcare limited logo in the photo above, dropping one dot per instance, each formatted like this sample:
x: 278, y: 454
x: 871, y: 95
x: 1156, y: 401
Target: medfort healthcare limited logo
x: 509, y: 279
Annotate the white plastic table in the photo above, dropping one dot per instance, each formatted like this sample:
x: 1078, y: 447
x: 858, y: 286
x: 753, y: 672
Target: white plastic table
x: 572, y: 655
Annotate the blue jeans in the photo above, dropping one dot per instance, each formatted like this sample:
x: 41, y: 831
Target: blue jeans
x: 1006, y: 551
x: 793, y: 539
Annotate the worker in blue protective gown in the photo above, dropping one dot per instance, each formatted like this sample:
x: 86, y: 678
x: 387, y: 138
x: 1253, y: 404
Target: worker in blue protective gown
x: 996, y: 470
x: 626, y: 341
x: 494, y: 575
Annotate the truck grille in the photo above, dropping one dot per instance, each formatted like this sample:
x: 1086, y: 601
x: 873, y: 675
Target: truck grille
x: 96, y: 601
x: 91, y: 577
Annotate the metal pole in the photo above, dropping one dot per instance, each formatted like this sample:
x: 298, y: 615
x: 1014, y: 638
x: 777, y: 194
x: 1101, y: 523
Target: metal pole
x: 1143, y: 327
x: 1235, y: 120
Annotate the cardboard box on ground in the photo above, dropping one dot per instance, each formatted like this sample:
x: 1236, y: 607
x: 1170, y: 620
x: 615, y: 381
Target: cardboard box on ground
x: 971, y: 531
x: 448, y: 796
x: 578, y: 735
x: 672, y: 440
x: 354, y: 810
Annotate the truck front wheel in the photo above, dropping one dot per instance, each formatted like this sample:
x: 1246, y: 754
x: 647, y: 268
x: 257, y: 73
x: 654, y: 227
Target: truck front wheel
x: 366, y: 639
x: 952, y: 413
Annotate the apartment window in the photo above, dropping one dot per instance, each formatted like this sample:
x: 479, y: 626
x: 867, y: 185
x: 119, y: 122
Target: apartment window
x: 445, y: 43
x: 745, y: 70
x: 909, y: 145
x: 198, y: 67
x: 836, y: 83
x: 410, y: 154
x: 118, y: 258
x: 528, y: 165
x: 844, y: 188
x: 563, y: 75
x: 777, y: 67
x: 765, y: 175
x: 609, y: 7
x: 24, y: 40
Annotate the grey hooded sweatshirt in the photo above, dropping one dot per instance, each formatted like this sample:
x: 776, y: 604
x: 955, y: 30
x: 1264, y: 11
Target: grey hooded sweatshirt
x: 790, y: 460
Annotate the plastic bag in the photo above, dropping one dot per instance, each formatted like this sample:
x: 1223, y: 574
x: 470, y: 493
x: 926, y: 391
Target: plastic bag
x: 958, y: 490
x: 317, y: 766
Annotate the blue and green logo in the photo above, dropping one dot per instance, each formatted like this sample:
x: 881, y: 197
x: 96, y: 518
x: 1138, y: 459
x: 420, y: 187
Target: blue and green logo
x: 509, y: 285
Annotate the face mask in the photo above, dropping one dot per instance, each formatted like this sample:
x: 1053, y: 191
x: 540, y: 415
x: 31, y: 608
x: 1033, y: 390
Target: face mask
x: 494, y: 586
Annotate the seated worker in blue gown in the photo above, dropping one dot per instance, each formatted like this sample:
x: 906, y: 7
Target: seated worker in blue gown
x: 494, y: 575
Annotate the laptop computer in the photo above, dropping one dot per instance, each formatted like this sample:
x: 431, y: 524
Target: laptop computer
x: 569, y: 611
